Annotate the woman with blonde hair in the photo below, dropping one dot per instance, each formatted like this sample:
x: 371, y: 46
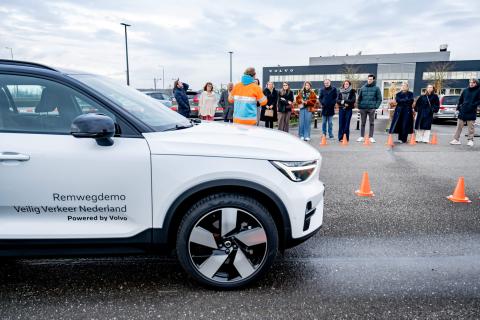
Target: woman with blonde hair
x: 402, y: 122
x: 269, y: 111
x: 306, y: 100
x: 207, y: 103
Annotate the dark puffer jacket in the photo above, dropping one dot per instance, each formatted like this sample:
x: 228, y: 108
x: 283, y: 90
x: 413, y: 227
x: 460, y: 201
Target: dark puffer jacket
x: 369, y: 97
x: 468, y: 103
x: 181, y: 97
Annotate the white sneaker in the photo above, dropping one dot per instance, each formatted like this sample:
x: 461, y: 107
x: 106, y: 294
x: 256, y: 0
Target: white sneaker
x: 455, y: 142
x: 372, y: 140
x: 302, y: 138
x: 470, y: 143
x: 360, y: 139
x: 307, y: 139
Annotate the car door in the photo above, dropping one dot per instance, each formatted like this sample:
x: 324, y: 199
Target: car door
x: 53, y: 185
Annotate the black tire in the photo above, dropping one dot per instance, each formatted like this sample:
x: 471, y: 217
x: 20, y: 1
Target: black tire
x: 250, y: 216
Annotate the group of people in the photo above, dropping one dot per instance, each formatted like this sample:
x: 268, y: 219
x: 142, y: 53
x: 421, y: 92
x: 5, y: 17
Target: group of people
x: 246, y: 103
x: 410, y: 114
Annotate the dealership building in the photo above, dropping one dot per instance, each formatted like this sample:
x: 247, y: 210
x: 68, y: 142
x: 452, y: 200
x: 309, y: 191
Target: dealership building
x: 418, y: 69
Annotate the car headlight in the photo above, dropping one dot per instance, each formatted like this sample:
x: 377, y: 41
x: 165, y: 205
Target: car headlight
x: 296, y: 171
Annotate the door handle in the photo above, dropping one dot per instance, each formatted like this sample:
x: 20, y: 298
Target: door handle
x: 15, y: 156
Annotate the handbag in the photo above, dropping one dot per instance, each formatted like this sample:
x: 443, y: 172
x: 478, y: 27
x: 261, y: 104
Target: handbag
x: 269, y: 113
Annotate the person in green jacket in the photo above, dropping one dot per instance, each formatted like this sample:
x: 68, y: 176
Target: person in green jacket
x: 369, y: 100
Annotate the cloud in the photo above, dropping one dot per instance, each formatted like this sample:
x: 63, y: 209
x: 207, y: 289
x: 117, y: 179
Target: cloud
x: 190, y: 39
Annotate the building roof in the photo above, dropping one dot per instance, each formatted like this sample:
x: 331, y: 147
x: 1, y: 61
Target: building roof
x: 382, y: 58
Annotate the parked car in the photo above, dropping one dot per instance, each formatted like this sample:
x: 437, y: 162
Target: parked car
x: 448, y: 107
x: 162, y: 97
x: 110, y: 172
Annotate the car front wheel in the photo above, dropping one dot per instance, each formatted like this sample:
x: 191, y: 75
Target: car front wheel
x: 227, y: 241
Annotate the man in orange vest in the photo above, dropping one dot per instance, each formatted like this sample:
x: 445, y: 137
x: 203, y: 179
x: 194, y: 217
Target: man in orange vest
x: 245, y: 96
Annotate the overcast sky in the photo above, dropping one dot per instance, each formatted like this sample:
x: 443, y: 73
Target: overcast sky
x: 190, y: 39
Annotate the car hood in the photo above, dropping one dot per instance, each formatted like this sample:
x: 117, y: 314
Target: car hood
x: 233, y: 141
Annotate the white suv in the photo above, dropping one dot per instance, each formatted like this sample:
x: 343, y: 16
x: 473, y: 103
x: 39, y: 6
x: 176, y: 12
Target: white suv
x: 88, y: 166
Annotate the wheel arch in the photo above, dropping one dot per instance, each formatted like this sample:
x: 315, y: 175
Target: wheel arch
x: 265, y: 196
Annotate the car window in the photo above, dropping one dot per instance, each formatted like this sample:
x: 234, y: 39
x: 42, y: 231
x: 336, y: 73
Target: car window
x: 150, y: 111
x: 34, y: 105
x: 158, y: 96
x: 450, y: 100
x: 25, y: 97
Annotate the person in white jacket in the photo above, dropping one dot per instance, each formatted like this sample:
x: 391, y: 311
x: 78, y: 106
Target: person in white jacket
x: 207, y: 103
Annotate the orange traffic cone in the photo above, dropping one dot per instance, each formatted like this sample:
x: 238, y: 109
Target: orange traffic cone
x: 344, y: 140
x: 324, y: 140
x: 412, y: 139
x: 365, y: 190
x: 434, y: 139
x: 390, y: 141
x: 459, y: 193
x: 366, y: 140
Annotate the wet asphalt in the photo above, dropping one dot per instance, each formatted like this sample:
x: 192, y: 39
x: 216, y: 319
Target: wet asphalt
x: 407, y: 253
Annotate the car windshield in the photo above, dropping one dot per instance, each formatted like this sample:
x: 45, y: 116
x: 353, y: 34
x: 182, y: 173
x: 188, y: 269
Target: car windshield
x: 150, y: 111
x: 450, y: 100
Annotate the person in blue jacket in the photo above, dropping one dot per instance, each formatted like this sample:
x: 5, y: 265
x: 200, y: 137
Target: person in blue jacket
x: 402, y: 122
x: 180, y: 94
x: 328, y: 99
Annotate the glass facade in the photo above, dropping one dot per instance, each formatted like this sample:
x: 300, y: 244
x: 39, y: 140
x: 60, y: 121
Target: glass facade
x: 453, y: 75
x: 314, y: 77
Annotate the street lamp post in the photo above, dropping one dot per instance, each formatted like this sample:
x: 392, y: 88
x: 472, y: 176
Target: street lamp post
x: 163, y: 76
x: 11, y: 51
x: 231, y: 53
x: 126, y: 51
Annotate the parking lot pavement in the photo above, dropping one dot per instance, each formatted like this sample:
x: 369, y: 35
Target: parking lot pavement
x: 406, y: 253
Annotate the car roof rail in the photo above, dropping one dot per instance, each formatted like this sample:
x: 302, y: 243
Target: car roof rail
x: 26, y: 64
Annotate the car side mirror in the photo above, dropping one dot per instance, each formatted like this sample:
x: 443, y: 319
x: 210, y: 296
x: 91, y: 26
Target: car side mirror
x: 96, y: 126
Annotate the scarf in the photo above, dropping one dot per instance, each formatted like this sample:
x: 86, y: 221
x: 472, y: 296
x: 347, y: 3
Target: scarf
x: 306, y: 94
x: 345, y: 92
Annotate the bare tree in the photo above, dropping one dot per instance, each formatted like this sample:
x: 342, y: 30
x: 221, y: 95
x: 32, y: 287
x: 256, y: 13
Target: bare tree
x: 352, y: 73
x: 437, y: 73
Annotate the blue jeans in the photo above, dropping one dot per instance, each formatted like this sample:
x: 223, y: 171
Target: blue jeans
x: 344, y: 117
x: 305, y: 123
x: 329, y: 120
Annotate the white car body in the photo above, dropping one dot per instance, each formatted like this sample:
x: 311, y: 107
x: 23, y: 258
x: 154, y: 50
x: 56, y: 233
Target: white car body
x: 91, y: 166
x: 150, y: 173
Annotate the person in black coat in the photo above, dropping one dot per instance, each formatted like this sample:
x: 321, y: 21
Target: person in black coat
x: 425, y: 107
x: 272, y: 100
x: 285, y: 105
x: 180, y: 94
x: 328, y: 98
x: 467, y: 111
x: 402, y: 122
x: 346, y: 101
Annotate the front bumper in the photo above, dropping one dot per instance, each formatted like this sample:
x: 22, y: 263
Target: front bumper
x: 446, y: 115
x: 305, y: 209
